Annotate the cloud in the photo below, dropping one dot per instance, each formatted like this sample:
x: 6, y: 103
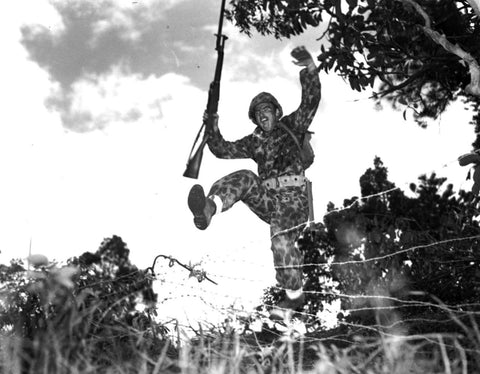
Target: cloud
x: 92, y: 43
x: 98, y: 101
x: 99, y: 35
x: 129, y: 18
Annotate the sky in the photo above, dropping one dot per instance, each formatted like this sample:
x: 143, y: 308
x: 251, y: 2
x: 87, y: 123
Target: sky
x: 101, y: 103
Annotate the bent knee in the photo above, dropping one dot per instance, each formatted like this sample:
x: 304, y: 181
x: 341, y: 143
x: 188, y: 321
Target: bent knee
x: 247, y: 173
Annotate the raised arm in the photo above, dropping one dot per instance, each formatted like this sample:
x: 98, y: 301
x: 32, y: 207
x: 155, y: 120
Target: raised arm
x: 301, y: 118
x: 222, y: 148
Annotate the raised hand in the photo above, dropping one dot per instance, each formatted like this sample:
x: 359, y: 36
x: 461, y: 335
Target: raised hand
x: 211, y: 121
x: 302, y: 56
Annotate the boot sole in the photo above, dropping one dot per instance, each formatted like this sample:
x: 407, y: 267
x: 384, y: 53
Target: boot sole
x: 196, y: 203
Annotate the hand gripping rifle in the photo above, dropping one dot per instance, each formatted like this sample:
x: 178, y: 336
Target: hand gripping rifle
x: 194, y: 162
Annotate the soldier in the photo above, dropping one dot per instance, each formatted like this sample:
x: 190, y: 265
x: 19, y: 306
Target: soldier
x: 278, y: 194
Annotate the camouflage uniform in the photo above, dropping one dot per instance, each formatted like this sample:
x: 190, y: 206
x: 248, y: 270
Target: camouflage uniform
x: 276, y: 155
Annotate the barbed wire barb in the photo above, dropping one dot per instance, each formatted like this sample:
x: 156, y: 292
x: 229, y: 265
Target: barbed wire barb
x: 200, y: 274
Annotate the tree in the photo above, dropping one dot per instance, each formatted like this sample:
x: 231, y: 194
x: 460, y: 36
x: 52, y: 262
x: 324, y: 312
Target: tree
x: 110, y: 288
x: 418, y: 241
x: 423, y: 53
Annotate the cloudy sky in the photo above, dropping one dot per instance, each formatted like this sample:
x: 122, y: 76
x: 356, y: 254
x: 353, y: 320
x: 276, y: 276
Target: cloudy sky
x: 102, y: 101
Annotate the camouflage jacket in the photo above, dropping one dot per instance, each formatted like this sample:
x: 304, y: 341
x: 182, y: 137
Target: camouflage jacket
x: 276, y: 152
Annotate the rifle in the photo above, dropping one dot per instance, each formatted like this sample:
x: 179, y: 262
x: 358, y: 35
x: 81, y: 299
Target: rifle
x: 194, y: 162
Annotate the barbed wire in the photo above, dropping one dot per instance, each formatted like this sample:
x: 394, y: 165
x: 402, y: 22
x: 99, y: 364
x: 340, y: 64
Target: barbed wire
x: 451, y: 309
x: 378, y: 258
x: 404, y: 303
x: 228, y: 310
x: 209, y: 259
x: 387, y: 332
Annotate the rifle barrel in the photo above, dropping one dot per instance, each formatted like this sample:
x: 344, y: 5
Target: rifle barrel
x: 220, y: 25
x: 195, y: 160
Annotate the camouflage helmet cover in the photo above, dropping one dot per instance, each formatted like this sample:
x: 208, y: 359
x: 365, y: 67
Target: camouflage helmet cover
x: 263, y: 97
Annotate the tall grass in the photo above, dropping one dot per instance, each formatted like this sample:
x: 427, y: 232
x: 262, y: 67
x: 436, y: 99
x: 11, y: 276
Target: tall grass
x: 232, y: 353
x: 49, y: 327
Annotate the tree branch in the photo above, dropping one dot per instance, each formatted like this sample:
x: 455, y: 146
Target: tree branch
x: 473, y: 87
x: 338, y: 10
x: 399, y: 86
x: 420, y: 10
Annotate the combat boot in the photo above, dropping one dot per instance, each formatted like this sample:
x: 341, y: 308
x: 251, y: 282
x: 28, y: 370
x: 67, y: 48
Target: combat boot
x: 201, y: 206
x: 285, y: 308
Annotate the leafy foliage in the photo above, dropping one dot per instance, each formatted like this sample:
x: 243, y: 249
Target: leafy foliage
x: 390, y: 225
x: 99, y: 305
x: 403, y: 246
x: 369, y: 41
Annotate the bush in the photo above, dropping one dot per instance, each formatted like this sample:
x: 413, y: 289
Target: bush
x: 98, y: 306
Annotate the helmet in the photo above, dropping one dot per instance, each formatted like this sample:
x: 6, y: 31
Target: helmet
x: 263, y: 97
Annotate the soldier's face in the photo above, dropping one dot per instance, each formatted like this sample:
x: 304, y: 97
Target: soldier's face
x: 266, y: 116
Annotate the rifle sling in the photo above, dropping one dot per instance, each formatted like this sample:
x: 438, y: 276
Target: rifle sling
x: 297, y: 143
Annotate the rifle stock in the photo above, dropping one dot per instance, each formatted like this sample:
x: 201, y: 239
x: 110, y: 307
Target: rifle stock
x: 195, y: 159
x: 194, y: 162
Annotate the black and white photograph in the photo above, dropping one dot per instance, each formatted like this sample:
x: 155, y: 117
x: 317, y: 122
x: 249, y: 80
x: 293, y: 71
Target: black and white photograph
x: 240, y: 186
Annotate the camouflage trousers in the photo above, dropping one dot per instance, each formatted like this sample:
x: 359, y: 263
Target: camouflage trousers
x: 282, y: 208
